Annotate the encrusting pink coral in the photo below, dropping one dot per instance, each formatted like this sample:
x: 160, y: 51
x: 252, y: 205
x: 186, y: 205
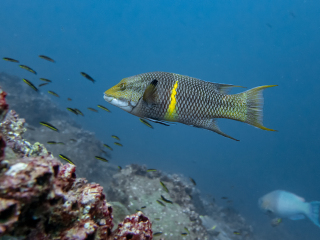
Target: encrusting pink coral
x: 134, y: 227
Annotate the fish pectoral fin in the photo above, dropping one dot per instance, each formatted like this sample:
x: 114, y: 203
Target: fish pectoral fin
x: 297, y: 217
x: 150, y: 95
x: 210, y: 124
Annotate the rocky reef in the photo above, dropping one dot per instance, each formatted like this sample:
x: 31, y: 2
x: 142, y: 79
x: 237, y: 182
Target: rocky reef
x: 41, y: 198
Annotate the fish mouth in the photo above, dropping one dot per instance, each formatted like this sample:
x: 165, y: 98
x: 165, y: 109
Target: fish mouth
x: 121, y: 103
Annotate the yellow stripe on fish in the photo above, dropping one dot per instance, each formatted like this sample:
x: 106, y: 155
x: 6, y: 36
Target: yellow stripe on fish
x: 171, y: 111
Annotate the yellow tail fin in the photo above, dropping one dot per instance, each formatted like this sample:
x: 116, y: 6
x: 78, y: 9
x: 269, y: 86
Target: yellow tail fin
x: 254, y: 100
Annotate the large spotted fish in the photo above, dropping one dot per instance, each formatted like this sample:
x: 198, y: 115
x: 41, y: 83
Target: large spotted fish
x: 162, y: 96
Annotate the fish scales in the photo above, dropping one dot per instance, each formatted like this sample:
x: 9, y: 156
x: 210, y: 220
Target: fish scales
x: 177, y: 98
x: 192, y: 101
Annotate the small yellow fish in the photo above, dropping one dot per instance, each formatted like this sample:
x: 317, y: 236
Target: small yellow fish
x: 10, y: 59
x: 92, y: 109
x: 54, y: 142
x: 48, y: 125
x: 118, y: 144
x: 157, y: 234
x: 161, y: 203
x: 66, y: 159
x: 87, y: 76
x: 53, y: 93
x: 27, y: 68
x: 164, y: 187
x: 236, y: 232
x: 143, y: 207
x: 145, y: 123
x: 193, y: 181
x: 78, y: 111
x: 72, y: 110
x: 107, y: 146
x: 120, y: 168
x: 158, y: 219
x: 46, y: 58
x: 115, y: 137
x: 30, y: 84
x: 166, y: 200
x: 187, y: 230
x: 151, y: 170
x: 103, y: 107
x: 101, y: 159
x: 184, y: 234
x: 276, y: 222
x: 46, y: 80
x: 43, y: 84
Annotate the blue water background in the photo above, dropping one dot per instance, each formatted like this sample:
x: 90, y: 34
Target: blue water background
x: 248, y: 43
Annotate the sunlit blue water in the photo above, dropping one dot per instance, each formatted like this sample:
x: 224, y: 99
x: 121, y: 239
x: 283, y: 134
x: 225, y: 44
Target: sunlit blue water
x: 236, y: 42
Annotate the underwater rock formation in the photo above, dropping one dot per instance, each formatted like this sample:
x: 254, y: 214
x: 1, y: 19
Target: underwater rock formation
x: 40, y: 198
x: 134, y: 227
x: 3, y: 105
x: 139, y: 190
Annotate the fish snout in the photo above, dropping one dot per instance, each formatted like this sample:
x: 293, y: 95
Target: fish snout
x: 121, y: 103
x: 107, y: 98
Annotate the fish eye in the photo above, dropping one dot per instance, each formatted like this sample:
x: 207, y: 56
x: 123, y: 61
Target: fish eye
x: 122, y: 86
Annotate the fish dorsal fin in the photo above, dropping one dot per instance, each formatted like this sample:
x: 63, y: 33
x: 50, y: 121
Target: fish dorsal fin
x: 150, y: 95
x: 222, y: 88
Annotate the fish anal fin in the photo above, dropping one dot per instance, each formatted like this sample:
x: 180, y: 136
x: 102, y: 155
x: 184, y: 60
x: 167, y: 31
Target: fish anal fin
x: 150, y: 95
x: 211, y: 125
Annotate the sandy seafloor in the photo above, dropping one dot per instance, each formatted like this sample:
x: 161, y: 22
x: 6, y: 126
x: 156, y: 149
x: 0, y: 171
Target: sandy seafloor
x: 132, y: 187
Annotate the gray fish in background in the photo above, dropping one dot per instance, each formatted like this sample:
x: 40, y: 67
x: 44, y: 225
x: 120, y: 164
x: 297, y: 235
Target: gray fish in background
x: 288, y: 205
x: 177, y: 98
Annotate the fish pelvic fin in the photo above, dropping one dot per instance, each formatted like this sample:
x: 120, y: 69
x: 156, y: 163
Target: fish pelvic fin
x: 254, y: 105
x: 313, y: 212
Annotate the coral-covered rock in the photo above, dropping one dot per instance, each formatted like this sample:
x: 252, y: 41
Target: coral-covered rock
x: 2, y: 147
x: 3, y: 105
x: 42, y: 199
x: 134, y: 227
x: 12, y: 129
